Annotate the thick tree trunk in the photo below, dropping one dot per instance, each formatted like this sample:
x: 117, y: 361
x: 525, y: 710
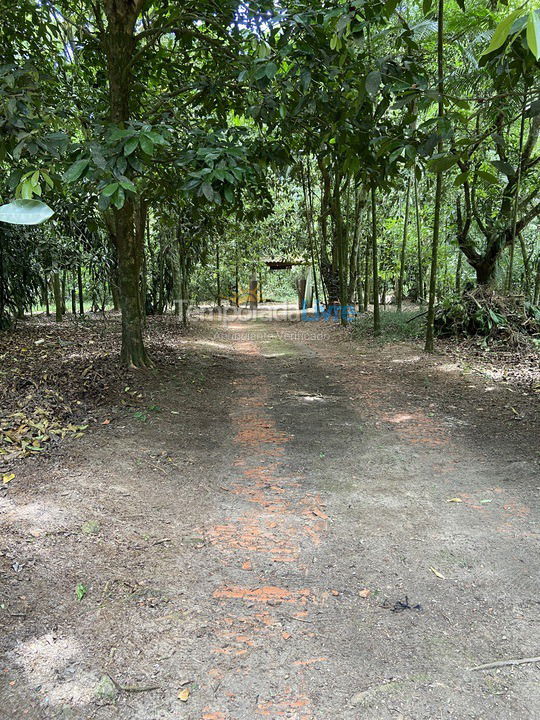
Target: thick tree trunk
x: 133, y: 352
x: 120, y: 46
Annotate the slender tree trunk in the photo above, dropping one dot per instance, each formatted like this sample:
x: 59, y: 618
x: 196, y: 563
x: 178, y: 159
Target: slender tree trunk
x: 376, y: 310
x: 218, y: 275
x: 403, y: 247
x: 141, y: 211
x: 366, y: 274
x: 536, y: 297
x: 81, y: 292
x: 236, y: 273
x: 253, y: 291
x: 308, y: 204
x: 64, y: 273
x: 73, y: 301
x: 430, y: 330
x: 458, y: 271
x: 420, y: 289
x: 115, y: 295
x: 57, y: 291
x: 518, y: 187
x: 46, y: 296
x: 359, y: 285
x: 526, y: 266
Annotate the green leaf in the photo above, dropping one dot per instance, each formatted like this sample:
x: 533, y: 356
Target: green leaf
x: 147, y: 145
x: 533, y: 34
x: 442, y: 162
x: 504, y: 167
x: 271, y: 70
x: 131, y: 145
x: 110, y: 189
x: 25, y: 212
x: 389, y: 7
x: 502, y: 31
x: 128, y: 185
x: 75, y: 171
x: 27, y: 190
x: 207, y: 191
x: 461, y: 178
x: 80, y: 591
x: 119, y: 198
x: 488, y: 177
x: 373, y: 82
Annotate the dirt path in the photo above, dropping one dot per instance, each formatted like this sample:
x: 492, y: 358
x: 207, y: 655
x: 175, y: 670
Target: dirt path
x: 295, y: 527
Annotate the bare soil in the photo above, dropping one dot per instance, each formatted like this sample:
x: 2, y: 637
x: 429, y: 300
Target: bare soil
x: 277, y: 522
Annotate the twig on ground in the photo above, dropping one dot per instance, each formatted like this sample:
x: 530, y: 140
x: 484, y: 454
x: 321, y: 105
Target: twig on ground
x: 134, y: 688
x: 505, y: 663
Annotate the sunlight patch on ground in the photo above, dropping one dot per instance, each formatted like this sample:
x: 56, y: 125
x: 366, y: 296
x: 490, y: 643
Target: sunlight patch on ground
x: 449, y: 367
x: 206, y: 343
x: 407, y: 360
x: 52, y: 664
x: 39, y: 516
x: 400, y: 418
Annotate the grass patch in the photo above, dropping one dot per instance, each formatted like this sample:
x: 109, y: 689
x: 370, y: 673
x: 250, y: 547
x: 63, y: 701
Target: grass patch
x: 395, y: 326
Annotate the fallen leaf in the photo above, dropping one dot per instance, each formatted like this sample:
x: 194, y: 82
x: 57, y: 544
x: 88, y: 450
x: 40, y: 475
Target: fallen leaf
x: 7, y: 478
x: 437, y: 573
x: 456, y: 499
x: 183, y: 695
x: 485, y: 502
x: 106, y: 422
x: 364, y: 593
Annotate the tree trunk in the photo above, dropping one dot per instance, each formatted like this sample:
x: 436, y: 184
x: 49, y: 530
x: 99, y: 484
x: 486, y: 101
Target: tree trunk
x: 45, y: 296
x: 399, y: 300
x: 253, y: 291
x: 366, y: 275
x: 133, y: 352
x: 536, y: 296
x: 430, y: 329
x: 218, y: 275
x: 120, y: 45
x: 420, y: 289
x: 57, y: 291
x: 64, y: 292
x: 458, y: 272
x: 81, y: 293
x: 301, y: 290
x: 376, y: 311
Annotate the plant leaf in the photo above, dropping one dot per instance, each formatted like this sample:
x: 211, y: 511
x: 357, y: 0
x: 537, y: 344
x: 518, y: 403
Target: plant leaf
x: 501, y: 32
x: 75, y: 171
x: 25, y: 212
x: 533, y: 34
